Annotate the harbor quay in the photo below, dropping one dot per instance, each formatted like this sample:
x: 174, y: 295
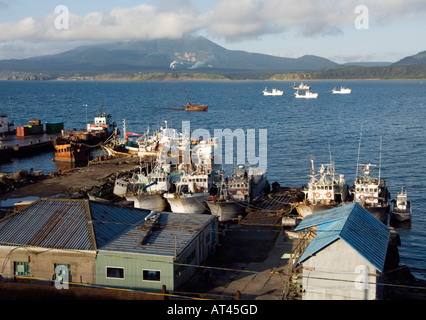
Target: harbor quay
x: 253, y: 259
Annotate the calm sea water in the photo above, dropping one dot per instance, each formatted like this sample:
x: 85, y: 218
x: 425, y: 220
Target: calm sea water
x: 393, y: 112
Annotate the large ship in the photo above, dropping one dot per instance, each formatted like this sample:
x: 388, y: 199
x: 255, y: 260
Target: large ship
x: 324, y: 190
x: 74, y: 146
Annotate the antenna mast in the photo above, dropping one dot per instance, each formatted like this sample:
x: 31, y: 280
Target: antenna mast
x: 380, y: 160
x: 359, y: 148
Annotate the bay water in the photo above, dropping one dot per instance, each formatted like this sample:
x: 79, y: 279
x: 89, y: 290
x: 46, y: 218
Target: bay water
x: 385, y: 121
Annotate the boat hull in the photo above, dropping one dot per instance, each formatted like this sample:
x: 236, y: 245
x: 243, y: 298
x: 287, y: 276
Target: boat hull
x: 226, y: 210
x: 153, y: 202
x: 401, y: 216
x: 305, y: 209
x: 187, y: 203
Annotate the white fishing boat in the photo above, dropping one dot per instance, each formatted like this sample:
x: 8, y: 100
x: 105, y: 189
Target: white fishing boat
x: 192, y: 190
x: 342, y: 91
x: 306, y: 95
x: 301, y: 86
x: 324, y: 190
x: 274, y: 92
x: 401, y: 207
x: 371, y: 193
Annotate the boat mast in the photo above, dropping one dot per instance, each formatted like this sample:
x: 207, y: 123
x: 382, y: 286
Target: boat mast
x: 359, y: 148
x: 380, y: 158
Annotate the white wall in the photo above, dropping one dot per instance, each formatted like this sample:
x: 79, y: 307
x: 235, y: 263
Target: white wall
x: 338, y: 272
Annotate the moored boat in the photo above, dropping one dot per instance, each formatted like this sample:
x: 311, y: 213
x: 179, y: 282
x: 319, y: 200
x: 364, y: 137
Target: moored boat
x: 236, y: 192
x: 371, y: 193
x: 401, y: 207
x: 74, y: 145
x: 190, y: 194
x: 6, y: 126
x: 324, y: 190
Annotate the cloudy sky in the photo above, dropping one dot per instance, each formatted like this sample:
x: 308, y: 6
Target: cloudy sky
x: 340, y: 30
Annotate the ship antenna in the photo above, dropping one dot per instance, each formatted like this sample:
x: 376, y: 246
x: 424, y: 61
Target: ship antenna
x: 359, y: 148
x: 380, y: 160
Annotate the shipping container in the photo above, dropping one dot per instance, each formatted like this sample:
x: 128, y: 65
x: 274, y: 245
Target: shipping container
x: 22, y: 131
x: 54, y: 127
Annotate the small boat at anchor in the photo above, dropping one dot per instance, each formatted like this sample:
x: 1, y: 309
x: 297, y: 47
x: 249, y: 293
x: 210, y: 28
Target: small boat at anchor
x: 273, y: 92
x: 307, y: 95
x: 194, y: 106
x: 401, y: 207
x: 342, y: 91
x: 301, y: 86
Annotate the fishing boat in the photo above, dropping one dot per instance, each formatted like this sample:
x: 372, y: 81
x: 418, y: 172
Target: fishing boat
x: 6, y: 126
x: 191, y: 191
x: 274, y: 92
x: 324, y: 190
x: 401, y: 207
x: 371, y: 192
x: 236, y: 192
x: 306, y: 95
x: 301, y: 86
x: 342, y: 91
x: 150, y: 196
x: 145, y: 144
x: 194, y: 106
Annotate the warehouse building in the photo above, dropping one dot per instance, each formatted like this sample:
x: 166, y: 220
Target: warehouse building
x: 104, y: 244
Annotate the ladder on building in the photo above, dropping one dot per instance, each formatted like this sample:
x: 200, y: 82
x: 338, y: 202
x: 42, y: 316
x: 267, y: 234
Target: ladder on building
x: 293, y: 282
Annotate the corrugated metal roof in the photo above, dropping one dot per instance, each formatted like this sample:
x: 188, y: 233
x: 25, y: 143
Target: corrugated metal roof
x: 89, y: 225
x: 49, y: 224
x: 354, y: 225
x: 172, y: 234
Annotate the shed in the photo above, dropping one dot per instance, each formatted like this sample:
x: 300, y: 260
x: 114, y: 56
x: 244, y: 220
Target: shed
x: 98, y: 242
x: 346, y: 258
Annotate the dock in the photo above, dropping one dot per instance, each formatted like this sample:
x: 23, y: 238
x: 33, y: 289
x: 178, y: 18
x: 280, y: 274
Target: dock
x: 275, y: 209
x: 18, y: 147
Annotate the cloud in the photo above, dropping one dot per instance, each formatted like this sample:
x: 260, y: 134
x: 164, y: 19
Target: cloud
x: 233, y: 20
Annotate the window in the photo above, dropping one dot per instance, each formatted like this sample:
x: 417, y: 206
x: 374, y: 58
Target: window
x: 21, y: 268
x: 115, y: 273
x: 150, y: 275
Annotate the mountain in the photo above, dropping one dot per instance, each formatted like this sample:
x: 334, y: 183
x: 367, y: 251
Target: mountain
x: 418, y: 59
x: 165, y: 55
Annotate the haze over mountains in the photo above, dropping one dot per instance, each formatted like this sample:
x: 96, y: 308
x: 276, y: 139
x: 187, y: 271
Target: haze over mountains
x: 194, y: 54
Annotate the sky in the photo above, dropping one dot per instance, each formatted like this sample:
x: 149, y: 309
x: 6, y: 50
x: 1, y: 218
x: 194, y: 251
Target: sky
x: 339, y: 30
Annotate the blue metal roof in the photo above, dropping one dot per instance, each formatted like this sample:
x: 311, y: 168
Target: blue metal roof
x: 352, y: 224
